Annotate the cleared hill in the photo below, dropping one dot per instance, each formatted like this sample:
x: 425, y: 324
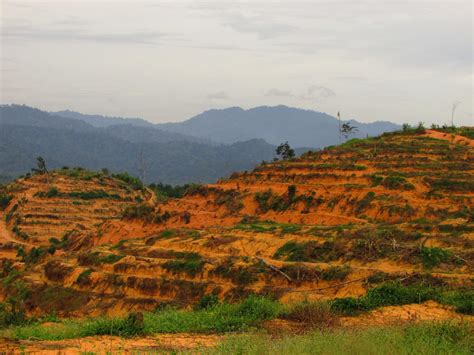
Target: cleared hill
x: 376, y: 222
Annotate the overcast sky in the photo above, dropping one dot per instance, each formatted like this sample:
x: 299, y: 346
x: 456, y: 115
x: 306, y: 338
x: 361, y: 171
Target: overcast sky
x: 404, y: 61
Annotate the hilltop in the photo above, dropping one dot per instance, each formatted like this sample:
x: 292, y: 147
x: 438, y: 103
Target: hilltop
x: 274, y: 124
x: 381, y: 228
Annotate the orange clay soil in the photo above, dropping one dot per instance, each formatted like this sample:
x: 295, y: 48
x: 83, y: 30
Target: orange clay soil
x: 329, y: 224
x: 108, y: 344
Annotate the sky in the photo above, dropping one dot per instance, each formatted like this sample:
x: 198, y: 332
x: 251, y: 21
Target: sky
x: 402, y: 61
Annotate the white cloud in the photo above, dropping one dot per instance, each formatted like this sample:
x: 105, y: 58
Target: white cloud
x: 221, y: 95
x: 404, y: 61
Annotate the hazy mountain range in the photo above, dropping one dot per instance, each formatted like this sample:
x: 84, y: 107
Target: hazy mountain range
x: 201, y: 149
x: 301, y: 128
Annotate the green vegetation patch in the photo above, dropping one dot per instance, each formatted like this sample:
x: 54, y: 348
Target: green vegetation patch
x: 97, y: 258
x: 190, y: 264
x: 4, y: 201
x: 310, y: 251
x: 392, y: 182
x: 394, y: 293
x: 218, y: 318
x: 425, y: 338
x: 132, y: 181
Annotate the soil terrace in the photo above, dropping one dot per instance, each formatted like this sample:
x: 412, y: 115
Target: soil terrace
x: 331, y: 224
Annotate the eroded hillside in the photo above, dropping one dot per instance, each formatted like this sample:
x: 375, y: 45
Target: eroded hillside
x: 396, y: 209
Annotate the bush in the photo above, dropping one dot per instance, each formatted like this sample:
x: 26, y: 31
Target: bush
x: 268, y: 201
x: 336, y: 273
x: 134, y: 182
x: 4, y: 201
x: 169, y: 191
x: 461, y: 300
x: 93, y: 195
x: 52, y: 192
x: 97, y: 258
x: 84, y: 277
x: 192, y: 264
x: 314, y: 314
x: 13, y: 309
x: 388, y: 294
x: 132, y: 325
x: 397, y: 182
x: 34, y: 255
x: 207, y: 301
x: 141, y: 211
x: 434, y: 256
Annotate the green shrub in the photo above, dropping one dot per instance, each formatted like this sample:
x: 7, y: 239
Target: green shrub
x: 93, y: 195
x: 97, y: 258
x: 34, y: 255
x: 84, y: 277
x: 336, y: 273
x: 132, y: 325
x: 396, y: 182
x: 364, y: 204
x: 169, y: 191
x: 4, y: 201
x: 134, y: 182
x: 207, y: 301
x: 52, y: 192
x: 462, y: 300
x: 387, y: 294
x: 268, y: 201
x: 293, y: 251
x: 314, y: 314
x: 432, y: 257
x: 191, y: 264
x: 141, y: 211
x: 310, y: 251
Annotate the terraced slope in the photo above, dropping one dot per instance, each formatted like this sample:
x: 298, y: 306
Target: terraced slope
x: 396, y: 209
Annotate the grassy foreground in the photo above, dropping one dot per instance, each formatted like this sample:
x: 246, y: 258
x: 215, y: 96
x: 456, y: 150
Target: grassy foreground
x: 215, y: 318
x: 211, y: 317
x: 429, y: 338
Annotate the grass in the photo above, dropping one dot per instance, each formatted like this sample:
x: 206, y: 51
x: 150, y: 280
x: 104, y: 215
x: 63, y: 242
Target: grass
x: 429, y: 338
x: 312, y: 314
x: 395, y: 293
x: 217, y: 318
x: 310, y: 251
x: 190, y: 264
x: 97, y: 258
x: 432, y: 257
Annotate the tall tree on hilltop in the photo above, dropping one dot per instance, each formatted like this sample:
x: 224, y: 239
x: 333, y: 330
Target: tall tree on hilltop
x: 41, y: 167
x: 347, y: 130
x: 285, y: 151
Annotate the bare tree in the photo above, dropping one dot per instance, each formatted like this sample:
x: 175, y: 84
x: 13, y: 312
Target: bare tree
x: 41, y: 168
x: 142, y: 166
x: 346, y: 130
x: 339, y: 118
x: 453, y: 110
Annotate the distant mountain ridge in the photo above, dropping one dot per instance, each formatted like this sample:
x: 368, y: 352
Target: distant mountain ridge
x: 26, y: 133
x: 274, y: 124
x: 100, y: 121
x: 202, y: 149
